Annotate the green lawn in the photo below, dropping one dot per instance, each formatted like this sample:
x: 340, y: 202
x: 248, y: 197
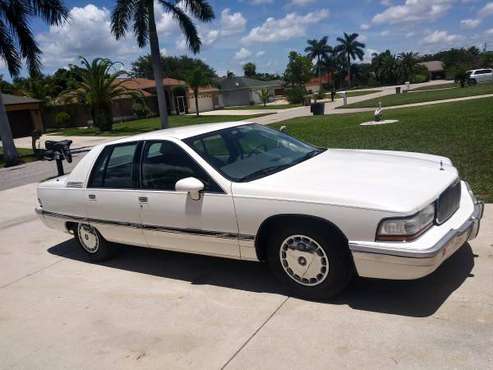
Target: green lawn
x: 447, y: 85
x: 423, y: 96
x: 261, y: 106
x: 352, y: 93
x: 150, y: 124
x: 462, y: 131
x: 26, y: 155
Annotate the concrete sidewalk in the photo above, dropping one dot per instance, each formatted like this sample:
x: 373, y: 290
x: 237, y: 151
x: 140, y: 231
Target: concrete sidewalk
x: 150, y: 309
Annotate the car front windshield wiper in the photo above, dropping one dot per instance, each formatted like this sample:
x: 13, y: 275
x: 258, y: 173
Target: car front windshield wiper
x: 273, y: 169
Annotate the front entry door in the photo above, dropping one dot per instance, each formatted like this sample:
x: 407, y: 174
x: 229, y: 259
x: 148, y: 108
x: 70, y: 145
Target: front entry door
x: 112, y: 195
x: 172, y: 220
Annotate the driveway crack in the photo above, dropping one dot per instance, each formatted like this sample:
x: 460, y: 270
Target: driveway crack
x: 254, y: 333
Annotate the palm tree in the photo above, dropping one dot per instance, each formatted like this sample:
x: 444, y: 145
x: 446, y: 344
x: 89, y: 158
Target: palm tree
x: 98, y: 83
x: 318, y: 50
x: 140, y: 13
x: 408, y: 63
x: 351, y: 49
x: 17, y: 43
x: 196, y: 79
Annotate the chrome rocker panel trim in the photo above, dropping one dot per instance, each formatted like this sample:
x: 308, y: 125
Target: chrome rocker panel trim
x: 209, y: 233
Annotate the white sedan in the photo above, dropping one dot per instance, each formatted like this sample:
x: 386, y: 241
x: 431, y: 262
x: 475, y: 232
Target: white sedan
x: 241, y: 190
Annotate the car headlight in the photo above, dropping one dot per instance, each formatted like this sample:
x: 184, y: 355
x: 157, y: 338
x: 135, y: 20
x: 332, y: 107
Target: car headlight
x: 406, y: 228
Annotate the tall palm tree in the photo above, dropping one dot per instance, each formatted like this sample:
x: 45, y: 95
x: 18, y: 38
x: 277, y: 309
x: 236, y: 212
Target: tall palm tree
x: 408, y: 61
x: 351, y: 49
x: 196, y: 79
x: 140, y: 14
x: 318, y: 50
x: 17, y: 43
x: 98, y: 83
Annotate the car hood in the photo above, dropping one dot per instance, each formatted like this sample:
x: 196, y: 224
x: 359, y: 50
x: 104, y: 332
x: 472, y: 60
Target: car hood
x: 401, y: 182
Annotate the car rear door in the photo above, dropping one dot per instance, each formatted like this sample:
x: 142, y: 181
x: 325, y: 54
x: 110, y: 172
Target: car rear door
x: 113, y: 196
x: 171, y: 219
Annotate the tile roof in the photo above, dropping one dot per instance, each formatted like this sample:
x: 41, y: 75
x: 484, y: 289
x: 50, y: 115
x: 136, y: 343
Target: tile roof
x: 14, y: 99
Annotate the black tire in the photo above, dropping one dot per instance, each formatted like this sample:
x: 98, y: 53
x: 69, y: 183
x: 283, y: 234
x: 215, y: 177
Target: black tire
x: 326, y: 284
x: 92, y: 243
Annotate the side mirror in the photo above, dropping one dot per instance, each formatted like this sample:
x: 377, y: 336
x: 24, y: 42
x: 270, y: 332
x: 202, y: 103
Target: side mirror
x: 191, y: 185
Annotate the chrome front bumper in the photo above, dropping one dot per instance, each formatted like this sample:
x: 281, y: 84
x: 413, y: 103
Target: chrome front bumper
x: 413, y: 260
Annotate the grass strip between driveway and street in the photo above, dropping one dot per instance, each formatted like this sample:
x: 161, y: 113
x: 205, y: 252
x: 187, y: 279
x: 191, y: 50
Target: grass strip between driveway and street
x: 261, y: 107
x: 149, y: 124
x: 26, y: 155
x: 423, y: 96
x: 462, y: 131
x: 448, y: 85
x: 352, y: 93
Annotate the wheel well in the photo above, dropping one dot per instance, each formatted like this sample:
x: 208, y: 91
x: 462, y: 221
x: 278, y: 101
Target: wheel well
x: 273, y: 222
x: 70, y: 226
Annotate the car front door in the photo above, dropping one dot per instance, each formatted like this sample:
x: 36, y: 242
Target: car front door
x: 113, y: 196
x: 172, y: 219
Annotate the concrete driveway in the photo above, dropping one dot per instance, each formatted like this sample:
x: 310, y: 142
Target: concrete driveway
x: 150, y: 309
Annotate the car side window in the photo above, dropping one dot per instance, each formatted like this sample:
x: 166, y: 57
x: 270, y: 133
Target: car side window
x: 116, y: 168
x: 164, y: 163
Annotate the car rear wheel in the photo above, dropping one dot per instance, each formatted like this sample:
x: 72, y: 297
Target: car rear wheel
x: 92, y: 243
x: 314, y: 263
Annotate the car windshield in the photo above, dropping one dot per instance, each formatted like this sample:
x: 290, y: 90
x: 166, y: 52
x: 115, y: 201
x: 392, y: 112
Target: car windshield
x: 249, y: 152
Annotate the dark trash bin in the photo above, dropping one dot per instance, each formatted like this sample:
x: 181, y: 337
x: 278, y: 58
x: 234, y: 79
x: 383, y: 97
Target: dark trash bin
x: 398, y: 90
x: 318, y: 109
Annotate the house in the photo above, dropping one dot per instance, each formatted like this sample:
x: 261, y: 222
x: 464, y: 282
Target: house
x: 435, y: 69
x: 313, y: 86
x: 24, y: 114
x: 237, y: 91
x: 210, y: 98
x: 175, y: 92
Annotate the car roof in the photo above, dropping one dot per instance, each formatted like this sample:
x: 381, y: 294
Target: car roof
x: 181, y: 133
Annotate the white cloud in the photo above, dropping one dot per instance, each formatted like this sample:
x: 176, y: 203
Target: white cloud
x: 486, y: 11
x: 384, y: 33
x: 260, y: 53
x: 232, y: 23
x: 301, y: 2
x: 242, y: 54
x: 413, y: 11
x: 258, y: 2
x: 470, y: 23
x: 292, y: 25
x: 87, y: 34
x: 209, y: 37
x: 489, y: 32
x: 442, y: 37
x: 365, y: 27
x: 369, y: 55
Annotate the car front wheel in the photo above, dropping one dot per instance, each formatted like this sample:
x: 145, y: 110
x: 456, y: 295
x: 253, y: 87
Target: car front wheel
x: 92, y: 243
x: 314, y: 263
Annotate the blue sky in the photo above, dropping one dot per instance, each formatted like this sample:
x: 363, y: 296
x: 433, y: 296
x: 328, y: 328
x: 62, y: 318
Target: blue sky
x: 264, y: 31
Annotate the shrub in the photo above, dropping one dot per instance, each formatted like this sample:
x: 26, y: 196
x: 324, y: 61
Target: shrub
x: 141, y: 110
x: 295, y: 95
x: 62, y: 119
x: 321, y: 93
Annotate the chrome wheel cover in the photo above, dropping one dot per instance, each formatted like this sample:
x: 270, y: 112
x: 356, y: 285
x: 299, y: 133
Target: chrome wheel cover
x: 88, y: 237
x: 304, y: 260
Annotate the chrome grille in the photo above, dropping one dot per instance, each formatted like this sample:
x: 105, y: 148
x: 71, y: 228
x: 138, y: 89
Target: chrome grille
x: 448, y: 203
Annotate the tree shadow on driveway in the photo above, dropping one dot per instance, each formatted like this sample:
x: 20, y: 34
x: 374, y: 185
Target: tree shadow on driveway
x: 415, y: 298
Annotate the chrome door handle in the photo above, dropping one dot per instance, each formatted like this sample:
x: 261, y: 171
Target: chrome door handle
x: 92, y: 196
x: 143, y: 199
